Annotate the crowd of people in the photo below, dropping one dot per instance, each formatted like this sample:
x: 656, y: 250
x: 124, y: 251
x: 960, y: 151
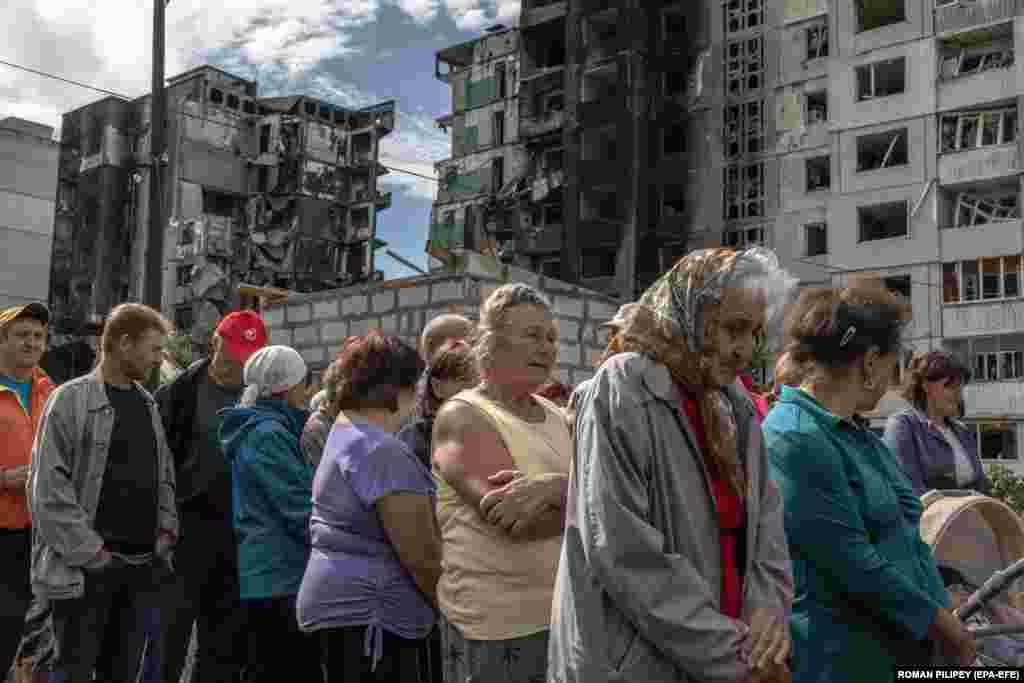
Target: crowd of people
x: 450, y: 514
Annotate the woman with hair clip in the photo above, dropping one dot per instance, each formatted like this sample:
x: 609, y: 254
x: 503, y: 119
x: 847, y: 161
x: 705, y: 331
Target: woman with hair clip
x: 936, y: 449
x: 674, y: 565
x: 870, y: 597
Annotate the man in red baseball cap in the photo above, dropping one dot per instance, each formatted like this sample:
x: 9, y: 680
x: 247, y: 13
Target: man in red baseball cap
x: 204, y: 589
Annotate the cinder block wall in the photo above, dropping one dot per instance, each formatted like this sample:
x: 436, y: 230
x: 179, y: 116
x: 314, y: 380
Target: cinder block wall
x: 316, y: 324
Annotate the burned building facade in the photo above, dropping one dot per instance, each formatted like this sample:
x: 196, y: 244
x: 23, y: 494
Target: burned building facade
x: 598, y: 183
x: 278, y: 191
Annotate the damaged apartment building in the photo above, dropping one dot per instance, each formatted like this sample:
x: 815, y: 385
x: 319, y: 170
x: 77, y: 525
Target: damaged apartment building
x: 575, y: 142
x: 893, y: 151
x: 272, y: 191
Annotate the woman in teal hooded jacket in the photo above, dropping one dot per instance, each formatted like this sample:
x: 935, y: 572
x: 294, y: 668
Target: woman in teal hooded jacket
x: 273, y: 484
x: 869, y: 597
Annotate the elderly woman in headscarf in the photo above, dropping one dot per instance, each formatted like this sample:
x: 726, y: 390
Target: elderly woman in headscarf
x: 272, y: 501
x: 674, y: 566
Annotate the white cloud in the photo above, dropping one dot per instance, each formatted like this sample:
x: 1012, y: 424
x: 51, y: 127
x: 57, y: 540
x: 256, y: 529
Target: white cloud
x: 474, y: 15
x: 281, y: 42
x: 421, y: 11
x: 508, y: 11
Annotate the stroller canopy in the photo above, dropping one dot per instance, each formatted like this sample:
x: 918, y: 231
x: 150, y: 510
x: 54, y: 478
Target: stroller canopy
x: 973, y: 534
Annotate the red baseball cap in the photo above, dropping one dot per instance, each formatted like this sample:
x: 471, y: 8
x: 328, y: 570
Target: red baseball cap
x: 243, y: 333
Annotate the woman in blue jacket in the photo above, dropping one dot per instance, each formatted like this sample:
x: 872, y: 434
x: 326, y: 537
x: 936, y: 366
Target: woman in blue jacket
x: 273, y: 484
x: 869, y: 596
x: 935, y: 449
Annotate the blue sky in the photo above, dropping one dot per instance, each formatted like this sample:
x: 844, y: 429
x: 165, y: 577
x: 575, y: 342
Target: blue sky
x: 350, y: 52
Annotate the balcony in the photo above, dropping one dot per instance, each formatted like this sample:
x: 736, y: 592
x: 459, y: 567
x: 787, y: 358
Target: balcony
x: 994, y: 398
x: 982, y: 163
x: 543, y: 124
x: 983, y: 318
x: 981, y: 241
x: 541, y: 12
x: 452, y: 60
x: 963, y: 15
x: 977, y: 66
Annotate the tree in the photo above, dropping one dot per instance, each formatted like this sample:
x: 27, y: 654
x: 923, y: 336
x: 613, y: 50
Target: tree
x: 178, y: 355
x: 1007, y: 486
x: 763, y: 358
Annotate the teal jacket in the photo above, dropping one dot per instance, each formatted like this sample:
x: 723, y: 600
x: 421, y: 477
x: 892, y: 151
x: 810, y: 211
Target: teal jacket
x: 272, y: 496
x: 852, y: 523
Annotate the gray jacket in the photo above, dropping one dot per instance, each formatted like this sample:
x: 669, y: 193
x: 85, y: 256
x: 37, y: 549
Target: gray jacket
x: 69, y: 459
x: 927, y: 458
x: 637, y: 596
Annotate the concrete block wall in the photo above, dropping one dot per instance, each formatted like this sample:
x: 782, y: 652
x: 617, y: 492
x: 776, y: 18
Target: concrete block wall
x: 316, y: 324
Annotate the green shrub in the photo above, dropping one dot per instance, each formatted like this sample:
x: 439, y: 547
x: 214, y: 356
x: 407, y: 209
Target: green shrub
x: 1007, y: 486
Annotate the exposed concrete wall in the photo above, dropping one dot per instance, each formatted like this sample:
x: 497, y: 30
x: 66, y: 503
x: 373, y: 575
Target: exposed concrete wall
x: 316, y: 324
x: 28, y: 187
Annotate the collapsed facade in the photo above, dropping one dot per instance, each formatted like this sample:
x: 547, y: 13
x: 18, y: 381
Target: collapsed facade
x: 573, y: 150
x: 275, y: 191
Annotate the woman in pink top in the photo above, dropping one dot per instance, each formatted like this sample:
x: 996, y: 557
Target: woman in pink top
x: 501, y: 457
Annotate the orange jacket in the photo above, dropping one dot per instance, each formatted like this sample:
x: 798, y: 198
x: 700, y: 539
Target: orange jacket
x: 18, y: 431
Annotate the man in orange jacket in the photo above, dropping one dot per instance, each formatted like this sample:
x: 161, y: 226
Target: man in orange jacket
x: 24, y: 389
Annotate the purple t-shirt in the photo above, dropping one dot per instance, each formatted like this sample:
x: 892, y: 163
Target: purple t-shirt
x: 354, y: 576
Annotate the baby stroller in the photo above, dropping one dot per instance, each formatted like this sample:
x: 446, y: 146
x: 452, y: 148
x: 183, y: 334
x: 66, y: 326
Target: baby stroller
x: 978, y: 544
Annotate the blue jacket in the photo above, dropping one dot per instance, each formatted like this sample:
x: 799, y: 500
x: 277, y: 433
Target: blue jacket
x: 927, y: 458
x: 273, y: 496
x: 863, y: 575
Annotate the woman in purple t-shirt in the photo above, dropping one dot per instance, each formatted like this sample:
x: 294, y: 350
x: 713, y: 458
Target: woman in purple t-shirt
x: 369, y: 587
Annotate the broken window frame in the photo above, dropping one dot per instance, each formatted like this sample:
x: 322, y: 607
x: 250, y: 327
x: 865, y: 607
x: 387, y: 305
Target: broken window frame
x: 674, y: 205
x: 872, y: 70
x: 675, y: 83
x: 183, y: 275
x: 1006, y: 132
x: 808, y: 108
x: 858, y: 11
x: 553, y: 213
x: 676, y: 152
x: 744, y: 192
x: 820, y: 239
x: 744, y: 66
x: 893, y: 154
x: 816, y: 39
x: 863, y: 209
x: 815, y: 163
x: 984, y: 209
x: 671, y: 35
x: 544, y: 267
x: 742, y: 15
x: 606, y: 255
x: 989, y: 59
x: 745, y: 237
x: 744, y: 129
x: 553, y: 152
x: 498, y: 127
x: 901, y: 285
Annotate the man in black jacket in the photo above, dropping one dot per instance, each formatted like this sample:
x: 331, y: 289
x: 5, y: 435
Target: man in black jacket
x: 204, y: 590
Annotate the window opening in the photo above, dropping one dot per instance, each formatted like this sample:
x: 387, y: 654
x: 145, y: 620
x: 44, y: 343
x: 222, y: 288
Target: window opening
x: 816, y: 238
x: 819, y: 173
x: 881, y: 79
x: 882, y: 150
x: 883, y: 221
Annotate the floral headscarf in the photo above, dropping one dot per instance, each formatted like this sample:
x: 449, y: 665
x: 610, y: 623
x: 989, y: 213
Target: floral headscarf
x: 676, y: 309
